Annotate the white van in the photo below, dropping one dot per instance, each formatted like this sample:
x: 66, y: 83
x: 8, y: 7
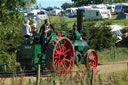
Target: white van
x: 71, y: 12
x: 35, y: 11
x: 84, y: 7
x: 111, y: 8
x: 97, y: 14
x: 55, y: 12
x: 41, y: 14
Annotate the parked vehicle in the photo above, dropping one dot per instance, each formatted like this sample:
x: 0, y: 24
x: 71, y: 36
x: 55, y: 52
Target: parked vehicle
x: 41, y: 14
x: 35, y: 11
x: 48, y: 10
x: 97, y: 14
x: 71, y: 12
x: 55, y: 12
x: 121, y: 7
x: 25, y: 12
x: 111, y: 8
x: 99, y: 6
x: 125, y: 9
x: 85, y: 7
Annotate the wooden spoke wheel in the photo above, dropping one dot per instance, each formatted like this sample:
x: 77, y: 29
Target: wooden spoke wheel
x: 91, y: 59
x: 60, y: 55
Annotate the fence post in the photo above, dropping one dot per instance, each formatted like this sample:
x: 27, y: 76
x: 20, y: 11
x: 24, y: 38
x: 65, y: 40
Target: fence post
x: 127, y: 66
x: 115, y: 52
x: 92, y: 77
x: 38, y: 75
x: 5, y: 67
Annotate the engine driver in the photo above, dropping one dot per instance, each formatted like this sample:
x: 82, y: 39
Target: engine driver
x: 44, y: 29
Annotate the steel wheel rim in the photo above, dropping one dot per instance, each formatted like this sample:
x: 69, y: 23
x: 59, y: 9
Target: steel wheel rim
x: 63, y: 56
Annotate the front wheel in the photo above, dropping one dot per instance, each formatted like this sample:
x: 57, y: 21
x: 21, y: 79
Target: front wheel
x: 91, y: 59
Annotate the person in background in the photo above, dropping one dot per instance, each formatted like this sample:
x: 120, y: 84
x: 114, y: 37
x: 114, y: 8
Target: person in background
x: 26, y: 29
x: 44, y: 29
x: 34, y: 32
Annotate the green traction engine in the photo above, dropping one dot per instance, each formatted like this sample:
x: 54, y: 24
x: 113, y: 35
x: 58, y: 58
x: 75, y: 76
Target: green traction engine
x: 63, y: 50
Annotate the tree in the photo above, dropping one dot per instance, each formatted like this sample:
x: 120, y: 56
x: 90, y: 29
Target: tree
x: 98, y: 36
x: 16, y: 4
x: 11, y: 8
x: 80, y: 2
x: 10, y: 30
x: 114, y: 1
x: 98, y: 1
x: 86, y: 2
x: 67, y: 5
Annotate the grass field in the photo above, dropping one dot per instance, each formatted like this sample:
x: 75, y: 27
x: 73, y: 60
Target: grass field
x: 113, y: 54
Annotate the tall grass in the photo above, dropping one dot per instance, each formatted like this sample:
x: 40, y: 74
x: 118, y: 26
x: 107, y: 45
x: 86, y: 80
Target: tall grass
x: 115, y: 78
x: 73, y: 78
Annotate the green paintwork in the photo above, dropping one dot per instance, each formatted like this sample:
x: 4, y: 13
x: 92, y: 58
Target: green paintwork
x: 77, y: 35
x: 26, y: 54
x: 65, y: 34
x: 37, y: 53
x: 53, y: 35
x: 79, y: 45
x: 43, y: 59
x: 78, y: 58
x: 32, y: 52
x: 27, y: 50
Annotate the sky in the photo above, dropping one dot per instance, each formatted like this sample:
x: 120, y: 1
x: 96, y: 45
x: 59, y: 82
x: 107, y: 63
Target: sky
x: 52, y: 3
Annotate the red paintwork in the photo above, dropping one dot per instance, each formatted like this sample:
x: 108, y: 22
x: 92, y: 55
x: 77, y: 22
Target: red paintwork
x: 63, y: 56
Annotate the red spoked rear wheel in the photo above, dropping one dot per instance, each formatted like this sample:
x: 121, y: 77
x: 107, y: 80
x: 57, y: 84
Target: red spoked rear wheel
x: 92, y: 59
x: 62, y: 55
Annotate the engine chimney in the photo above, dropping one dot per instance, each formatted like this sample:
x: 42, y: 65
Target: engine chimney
x: 79, y: 20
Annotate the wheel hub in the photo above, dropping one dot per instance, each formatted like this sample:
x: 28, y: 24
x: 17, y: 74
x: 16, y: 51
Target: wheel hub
x: 61, y: 57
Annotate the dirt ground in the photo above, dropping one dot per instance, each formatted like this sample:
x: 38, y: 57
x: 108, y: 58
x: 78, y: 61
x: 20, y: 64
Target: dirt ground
x: 113, y: 67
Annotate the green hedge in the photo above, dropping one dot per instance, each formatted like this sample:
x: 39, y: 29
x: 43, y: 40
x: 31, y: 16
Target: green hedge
x: 98, y: 36
x: 10, y: 40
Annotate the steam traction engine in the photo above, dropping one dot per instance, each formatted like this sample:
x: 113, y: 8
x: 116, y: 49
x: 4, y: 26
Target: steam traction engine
x: 62, y: 51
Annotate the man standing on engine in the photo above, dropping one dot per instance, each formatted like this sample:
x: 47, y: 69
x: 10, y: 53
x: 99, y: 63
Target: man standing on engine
x: 44, y: 29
